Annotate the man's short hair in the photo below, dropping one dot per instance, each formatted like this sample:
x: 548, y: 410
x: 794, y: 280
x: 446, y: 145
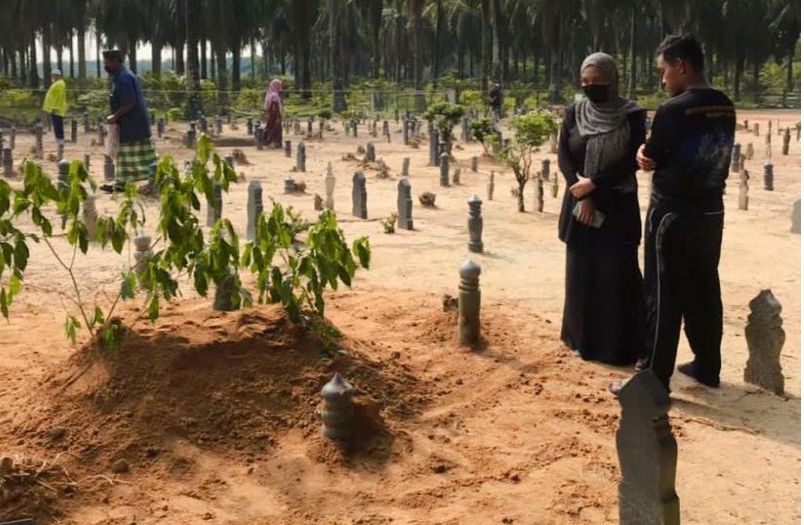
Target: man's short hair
x: 685, y: 47
x: 56, y: 72
x: 113, y: 54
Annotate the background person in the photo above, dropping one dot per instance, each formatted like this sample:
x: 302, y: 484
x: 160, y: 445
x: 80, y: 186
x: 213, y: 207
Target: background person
x: 55, y: 104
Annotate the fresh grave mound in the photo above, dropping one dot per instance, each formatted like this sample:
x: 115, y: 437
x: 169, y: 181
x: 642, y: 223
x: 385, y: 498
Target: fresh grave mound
x: 228, y: 383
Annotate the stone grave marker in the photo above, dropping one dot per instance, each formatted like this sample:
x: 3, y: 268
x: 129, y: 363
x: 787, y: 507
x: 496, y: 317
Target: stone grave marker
x: 795, y: 217
x: 13, y: 139
x: 469, y: 303
x: 371, y: 155
x: 8, y: 162
x: 490, y: 187
x: 786, y: 142
x: 254, y: 208
x: 288, y: 149
x: 250, y: 127
x: 290, y: 185
x: 339, y: 411
x: 89, y: 215
x: 545, y: 173
x: 475, y: 225
x: 768, y: 175
x: 86, y: 161
x: 318, y: 202
x: 735, y: 158
x: 756, y: 129
x: 444, y: 169
x: 329, y: 186
x: 765, y: 338
x: 85, y: 118
x: 742, y: 202
x: 73, y: 131
x: 648, y: 453
x: 405, y: 166
x: 38, y: 136
x: 749, y: 151
x: 160, y: 128
x: 143, y: 252
x: 215, y: 211
x: 404, y: 205
x: 359, y: 207
x: 301, y: 157
x: 433, y: 149
x: 474, y: 163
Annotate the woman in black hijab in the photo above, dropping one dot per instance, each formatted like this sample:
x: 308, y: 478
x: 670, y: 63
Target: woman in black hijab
x: 599, y: 221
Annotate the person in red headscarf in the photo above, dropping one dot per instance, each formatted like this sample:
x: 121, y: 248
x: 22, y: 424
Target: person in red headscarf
x: 272, y: 136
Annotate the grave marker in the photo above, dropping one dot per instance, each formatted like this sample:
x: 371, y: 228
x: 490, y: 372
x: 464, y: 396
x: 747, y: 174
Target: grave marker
x: 742, y: 202
x: 474, y: 163
x: 475, y: 225
x: 371, y: 155
x: 250, y: 127
x: 444, y: 169
x: 404, y: 205
x: 254, y: 208
x: 89, y: 216
x: 768, y: 175
x: 108, y: 168
x: 648, y: 453
x: 39, y: 146
x: 73, y: 131
x: 8, y: 162
x: 786, y: 142
x: 735, y: 158
x: 338, y: 413
x: 765, y: 337
x: 215, y: 211
x: 469, y: 303
x: 405, y: 166
x: 490, y: 187
x: 288, y: 149
x: 142, y: 254
x: 795, y: 217
x: 301, y: 157
x: 359, y: 208
x: 329, y: 186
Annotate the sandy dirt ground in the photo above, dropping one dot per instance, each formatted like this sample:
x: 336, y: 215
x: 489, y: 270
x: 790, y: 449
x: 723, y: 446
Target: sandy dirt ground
x: 519, y: 432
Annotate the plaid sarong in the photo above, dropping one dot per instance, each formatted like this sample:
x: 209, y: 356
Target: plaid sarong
x: 134, y: 160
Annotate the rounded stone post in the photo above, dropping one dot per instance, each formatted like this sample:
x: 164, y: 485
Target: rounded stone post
x: 301, y: 157
x: 13, y: 139
x: 786, y: 142
x: 73, y: 131
x: 214, y: 211
x: 444, y: 169
x: 469, y: 303
x: 90, y: 216
x: 253, y: 208
x: 329, y: 185
x: 142, y: 253
x: 545, y: 173
x: 554, y: 185
x: 474, y: 163
x: 475, y: 225
x: 250, y: 127
x: 405, y: 166
x: 490, y: 187
x: 371, y: 155
x: 288, y: 149
x: 735, y: 158
x: 742, y: 202
x: 339, y: 411
x: 64, y: 173
x: 768, y: 175
x: 8, y: 162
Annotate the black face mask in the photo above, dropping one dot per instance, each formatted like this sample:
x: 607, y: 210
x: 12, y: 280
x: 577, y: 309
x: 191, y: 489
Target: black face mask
x: 596, y: 93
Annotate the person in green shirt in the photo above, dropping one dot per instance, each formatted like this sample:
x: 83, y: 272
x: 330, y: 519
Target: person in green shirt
x: 56, y: 104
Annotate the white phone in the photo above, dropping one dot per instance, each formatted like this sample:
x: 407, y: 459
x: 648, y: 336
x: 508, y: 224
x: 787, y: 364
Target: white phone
x: 599, y: 215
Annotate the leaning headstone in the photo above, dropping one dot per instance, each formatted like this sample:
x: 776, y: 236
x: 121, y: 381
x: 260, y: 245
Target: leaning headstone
x: 288, y: 149
x: 250, y: 127
x: 490, y: 187
x: 749, y: 151
x: 765, y: 338
x: 301, y: 157
x: 359, y: 208
x: 8, y: 162
x: 89, y: 216
x: 786, y: 142
x: 648, y: 454
x: 474, y: 163
x: 404, y: 205
x: 339, y: 411
x: 735, y: 158
x: 756, y: 129
x: 108, y: 168
x: 444, y: 169
x: 254, y: 209
x: 405, y: 166
x: 73, y: 131
x: 371, y: 155
x: 475, y: 225
x: 742, y: 202
x: 469, y: 303
x: 214, y: 212
x: 768, y: 175
x: 39, y: 146
x: 329, y: 186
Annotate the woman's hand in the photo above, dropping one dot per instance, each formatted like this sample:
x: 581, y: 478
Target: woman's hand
x: 582, y: 188
x: 587, y: 214
x: 645, y: 163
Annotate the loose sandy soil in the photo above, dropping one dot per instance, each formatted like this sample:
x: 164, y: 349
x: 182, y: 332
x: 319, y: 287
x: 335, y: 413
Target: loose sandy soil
x: 215, y: 414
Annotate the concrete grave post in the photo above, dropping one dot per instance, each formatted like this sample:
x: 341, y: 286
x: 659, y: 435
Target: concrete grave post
x: 404, y: 205
x: 768, y: 175
x: 405, y: 166
x: 142, y: 253
x: 218, y: 125
x: 250, y: 127
x: 288, y: 149
x: 8, y: 162
x: 258, y: 138
x: 490, y: 187
x: 89, y: 216
x: 554, y: 185
x: 768, y: 149
x: 795, y: 217
x: 13, y: 139
x: 253, y: 209
x: 474, y: 163
x: 85, y: 118
x: 339, y: 411
x: 786, y: 142
x: 475, y: 225
x: 405, y: 131
x: 86, y: 161
x: 39, y: 146
x: 765, y: 338
x: 735, y: 158
x: 742, y: 203
x: 73, y: 131
x: 444, y: 165
x: 648, y: 454
x: 290, y: 185
x: 371, y: 155
x: 359, y: 208
x: 160, y: 128
x: 749, y: 151
x: 215, y: 211
x: 301, y: 157
x: 469, y: 303
x: 545, y: 173
x: 329, y: 186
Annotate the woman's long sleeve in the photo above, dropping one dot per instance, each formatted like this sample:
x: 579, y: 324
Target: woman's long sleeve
x: 565, y: 162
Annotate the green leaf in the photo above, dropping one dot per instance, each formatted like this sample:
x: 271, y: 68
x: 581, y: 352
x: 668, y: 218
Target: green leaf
x: 153, y: 308
x: 71, y: 325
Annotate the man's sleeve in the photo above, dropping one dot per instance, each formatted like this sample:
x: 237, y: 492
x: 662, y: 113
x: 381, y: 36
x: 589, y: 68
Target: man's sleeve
x: 128, y: 97
x: 663, y: 135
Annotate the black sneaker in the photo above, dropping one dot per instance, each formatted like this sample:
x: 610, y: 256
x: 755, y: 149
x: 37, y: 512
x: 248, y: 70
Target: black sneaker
x: 116, y: 187
x: 688, y: 369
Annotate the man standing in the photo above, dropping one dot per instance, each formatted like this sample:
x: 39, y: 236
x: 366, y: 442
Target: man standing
x: 128, y: 110
x: 496, y: 102
x: 689, y: 149
x: 56, y: 105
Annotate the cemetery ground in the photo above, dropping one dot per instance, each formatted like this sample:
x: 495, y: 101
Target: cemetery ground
x: 208, y: 417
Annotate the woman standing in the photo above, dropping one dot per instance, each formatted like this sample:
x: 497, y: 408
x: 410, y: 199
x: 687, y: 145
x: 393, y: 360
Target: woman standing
x: 599, y: 221
x: 272, y: 136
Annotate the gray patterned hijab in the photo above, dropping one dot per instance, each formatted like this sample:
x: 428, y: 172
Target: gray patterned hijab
x: 606, y: 124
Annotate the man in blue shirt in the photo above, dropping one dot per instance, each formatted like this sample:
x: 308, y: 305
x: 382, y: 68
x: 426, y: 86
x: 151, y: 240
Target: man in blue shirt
x: 130, y: 113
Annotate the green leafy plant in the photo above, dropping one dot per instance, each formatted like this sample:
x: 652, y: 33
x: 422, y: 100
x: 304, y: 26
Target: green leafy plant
x: 481, y: 129
x: 444, y: 117
x: 389, y: 223
x: 530, y: 132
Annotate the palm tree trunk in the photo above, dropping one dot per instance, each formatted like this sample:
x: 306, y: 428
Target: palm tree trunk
x: 132, y: 54
x: 253, y: 50
x: 336, y: 57
x: 179, y: 57
x: 156, y: 59
x: 46, y: 66
x: 193, y: 82
x: 632, y: 56
x: 236, y: 67
x: 97, y: 54
x: 420, y: 102
x: 437, y: 40
x: 59, y: 58
x: 789, y: 86
x: 72, y: 57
